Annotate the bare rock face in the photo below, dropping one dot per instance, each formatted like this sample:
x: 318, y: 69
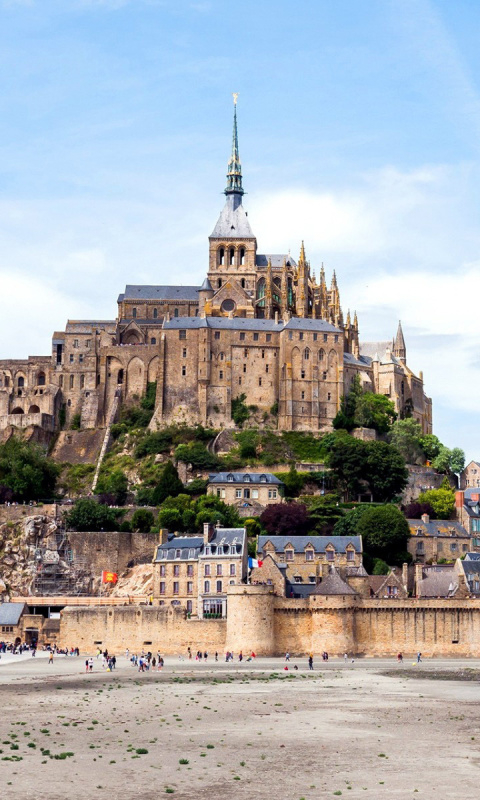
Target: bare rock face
x: 20, y: 544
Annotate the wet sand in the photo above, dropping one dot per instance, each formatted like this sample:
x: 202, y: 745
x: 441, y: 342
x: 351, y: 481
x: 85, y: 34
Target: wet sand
x: 370, y: 729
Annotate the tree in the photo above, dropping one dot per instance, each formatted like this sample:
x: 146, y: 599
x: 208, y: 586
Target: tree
x: 385, y: 471
x: 26, y: 471
x: 345, y: 418
x: 142, y: 520
x: 197, y: 455
x: 239, y: 410
x: 348, y: 524
x: 169, y: 484
x: 405, y: 436
x: 324, y: 512
x: 347, y: 460
x: 88, y: 515
x: 285, y: 519
x: 171, y: 519
x: 380, y: 567
x: 293, y: 482
x: 385, y: 533
x: 430, y: 445
x: 457, y: 460
x: 442, y: 500
x: 113, y: 486
x: 374, y: 411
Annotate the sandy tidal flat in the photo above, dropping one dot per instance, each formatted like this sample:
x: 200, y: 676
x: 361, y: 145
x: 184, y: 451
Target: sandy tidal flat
x: 241, y: 731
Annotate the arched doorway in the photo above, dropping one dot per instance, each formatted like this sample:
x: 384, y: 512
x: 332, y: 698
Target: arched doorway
x: 18, y: 410
x: 34, y: 410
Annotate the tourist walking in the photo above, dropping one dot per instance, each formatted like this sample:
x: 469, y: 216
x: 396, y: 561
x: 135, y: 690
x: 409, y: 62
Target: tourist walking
x: 419, y: 658
x: 310, y: 661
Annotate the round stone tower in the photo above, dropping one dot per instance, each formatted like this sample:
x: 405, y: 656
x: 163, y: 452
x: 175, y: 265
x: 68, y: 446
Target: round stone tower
x: 250, y: 623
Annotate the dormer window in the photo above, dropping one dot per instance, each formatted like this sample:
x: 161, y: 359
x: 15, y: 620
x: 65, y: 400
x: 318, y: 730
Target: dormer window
x: 351, y: 554
x: 230, y: 478
x: 309, y: 555
x: 263, y: 478
x: 288, y: 555
x: 246, y: 478
x: 330, y: 553
x: 178, y: 553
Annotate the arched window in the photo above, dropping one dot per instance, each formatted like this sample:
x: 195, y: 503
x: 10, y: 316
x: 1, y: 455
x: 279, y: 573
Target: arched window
x: 221, y: 256
x: 21, y: 382
x: 155, y: 313
x: 41, y: 379
x: 134, y: 313
x: 72, y: 377
x: 34, y: 410
x: 222, y: 356
x: 219, y: 283
x: 242, y: 283
x: 82, y: 381
x: 17, y: 410
x: 321, y: 354
x: 306, y: 354
x: 153, y: 340
x: 119, y: 376
x: 231, y: 256
x: 242, y: 256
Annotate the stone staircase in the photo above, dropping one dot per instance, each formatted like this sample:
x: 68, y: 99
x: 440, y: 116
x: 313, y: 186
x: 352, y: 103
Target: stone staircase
x: 108, y: 433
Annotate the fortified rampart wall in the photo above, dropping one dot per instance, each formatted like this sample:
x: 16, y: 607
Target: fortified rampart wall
x: 269, y: 625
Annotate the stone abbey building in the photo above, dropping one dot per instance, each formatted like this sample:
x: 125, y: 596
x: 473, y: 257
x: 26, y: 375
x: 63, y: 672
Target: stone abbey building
x: 259, y: 325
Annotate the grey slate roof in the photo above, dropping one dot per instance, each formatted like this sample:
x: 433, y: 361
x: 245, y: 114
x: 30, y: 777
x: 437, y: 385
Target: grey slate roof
x: 86, y: 325
x: 471, y: 567
x: 333, y: 584
x: 319, y: 543
x: 206, y: 286
x: 438, y: 527
x: 233, y: 221
x: 10, y: 613
x: 363, y: 361
x: 277, y: 260
x: 247, y: 324
x: 471, y: 557
x: 222, y: 537
x: 134, y: 292
x: 438, y: 582
x: 239, y: 477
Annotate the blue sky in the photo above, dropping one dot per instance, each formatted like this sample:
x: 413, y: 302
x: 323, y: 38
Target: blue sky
x: 359, y: 132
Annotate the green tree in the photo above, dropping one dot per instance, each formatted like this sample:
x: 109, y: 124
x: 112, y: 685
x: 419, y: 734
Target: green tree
x: 26, y: 471
x: 171, y: 519
x: 88, y: 515
x: 457, y: 460
x: 347, y: 461
x: 385, y: 533
x: 348, y: 524
x: 374, y: 411
x: 324, y: 513
x: 405, y: 436
x: 142, y: 520
x: 293, y: 482
x: 385, y: 471
x: 430, y: 445
x: 442, y: 500
x: 345, y: 418
x: 197, y: 455
x: 169, y: 484
x: 114, y: 485
x: 380, y: 567
x: 240, y: 412
x: 449, y: 461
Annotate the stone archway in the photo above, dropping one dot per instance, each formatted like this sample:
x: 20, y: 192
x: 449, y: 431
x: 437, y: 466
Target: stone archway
x: 135, y: 377
x: 34, y: 410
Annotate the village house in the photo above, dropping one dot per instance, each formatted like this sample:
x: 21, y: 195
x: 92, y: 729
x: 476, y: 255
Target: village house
x: 439, y: 539
x: 470, y: 476
x: 193, y: 572
x: 249, y: 492
x: 306, y: 559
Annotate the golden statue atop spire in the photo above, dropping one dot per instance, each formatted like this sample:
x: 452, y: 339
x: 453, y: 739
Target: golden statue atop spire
x: 235, y: 98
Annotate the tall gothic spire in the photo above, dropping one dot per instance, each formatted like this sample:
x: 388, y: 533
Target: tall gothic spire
x: 399, y: 348
x: 234, y: 169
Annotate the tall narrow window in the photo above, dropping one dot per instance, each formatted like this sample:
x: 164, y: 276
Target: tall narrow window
x: 221, y: 256
x: 231, y: 257
x: 71, y: 381
x: 82, y: 381
x: 134, y: 313
x: 175, y: 312
x: 242, y: 256
x: 184, y: 371
x: 155, y: 313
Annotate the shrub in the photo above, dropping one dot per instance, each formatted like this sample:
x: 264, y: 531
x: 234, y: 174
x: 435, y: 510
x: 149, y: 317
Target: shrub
x: 239, y: 410
x: 88, y: 515
x: 75, y: 423
x: 142, y: 520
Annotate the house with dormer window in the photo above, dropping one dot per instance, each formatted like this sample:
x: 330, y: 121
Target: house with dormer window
x: 305, y: 559
x: 249, y: 492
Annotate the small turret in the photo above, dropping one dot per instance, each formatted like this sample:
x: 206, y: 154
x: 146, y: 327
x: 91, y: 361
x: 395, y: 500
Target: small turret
x: 205, y: 294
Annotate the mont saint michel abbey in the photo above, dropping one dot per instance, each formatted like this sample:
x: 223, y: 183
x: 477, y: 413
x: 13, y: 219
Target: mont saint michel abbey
x: 259, y: 325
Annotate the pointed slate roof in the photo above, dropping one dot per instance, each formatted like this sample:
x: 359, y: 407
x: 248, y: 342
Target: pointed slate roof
x: 333, y: 585
x: 206, y: 286
x: 233, y: 221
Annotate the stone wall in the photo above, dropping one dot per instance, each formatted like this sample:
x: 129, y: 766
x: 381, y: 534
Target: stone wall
x: 269, y: 625
x: 112, y: 551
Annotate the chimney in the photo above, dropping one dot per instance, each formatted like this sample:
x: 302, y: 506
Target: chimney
x: 276, y: 317
x: 405, y: 575
x: 418, y: 577
x: 459, y: 499
x: 208, y: 532
x: 163, y: 536
x: 425, y: 519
